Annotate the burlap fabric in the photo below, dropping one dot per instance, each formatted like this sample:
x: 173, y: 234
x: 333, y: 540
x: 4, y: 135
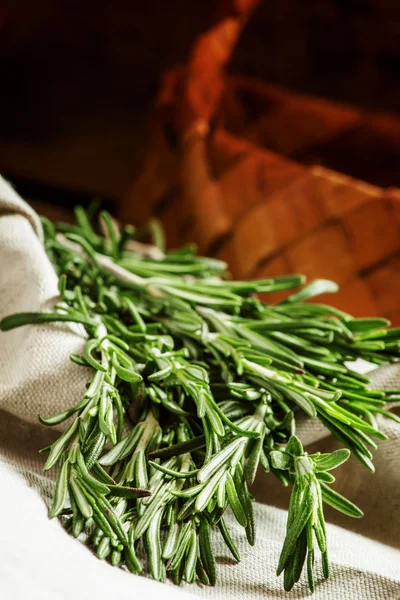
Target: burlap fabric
x: 39, y: 560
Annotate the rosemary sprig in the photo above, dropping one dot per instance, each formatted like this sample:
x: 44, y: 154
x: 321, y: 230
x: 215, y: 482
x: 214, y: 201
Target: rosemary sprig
x: 306, y: 525
x: 212, y: 382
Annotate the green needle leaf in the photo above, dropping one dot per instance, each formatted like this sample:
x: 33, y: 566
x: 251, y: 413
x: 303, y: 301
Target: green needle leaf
x: 228, y: 540
x: 80, y: 498
x: 326, y: 462
x: 206, y: 551
x: 19, y: 319
x: 234, y: 502
x: 281, y: 460
x: 60, y: 493
x: 319, y: 286
x: 57, y: 449
x: 339, y: 502
x: 220, y: 459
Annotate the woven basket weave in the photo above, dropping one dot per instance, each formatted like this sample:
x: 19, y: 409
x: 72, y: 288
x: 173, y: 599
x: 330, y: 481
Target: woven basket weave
x: 210, y: 175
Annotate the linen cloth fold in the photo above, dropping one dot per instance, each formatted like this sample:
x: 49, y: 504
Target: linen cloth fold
x: 38, y: 559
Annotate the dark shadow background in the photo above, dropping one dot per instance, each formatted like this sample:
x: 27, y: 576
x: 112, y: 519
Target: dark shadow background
x: 78, y: 78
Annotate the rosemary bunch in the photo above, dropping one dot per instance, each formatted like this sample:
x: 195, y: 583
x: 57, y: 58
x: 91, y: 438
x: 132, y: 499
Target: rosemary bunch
x: 195, y: 384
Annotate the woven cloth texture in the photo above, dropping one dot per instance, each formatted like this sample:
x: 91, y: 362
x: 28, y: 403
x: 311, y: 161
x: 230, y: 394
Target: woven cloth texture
x: 37, y: 557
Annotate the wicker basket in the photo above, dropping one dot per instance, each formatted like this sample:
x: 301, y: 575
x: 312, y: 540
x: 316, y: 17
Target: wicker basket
x: 211, y: 177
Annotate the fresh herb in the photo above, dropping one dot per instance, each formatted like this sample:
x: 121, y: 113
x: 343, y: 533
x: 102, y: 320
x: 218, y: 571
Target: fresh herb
x: 211, y: 382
